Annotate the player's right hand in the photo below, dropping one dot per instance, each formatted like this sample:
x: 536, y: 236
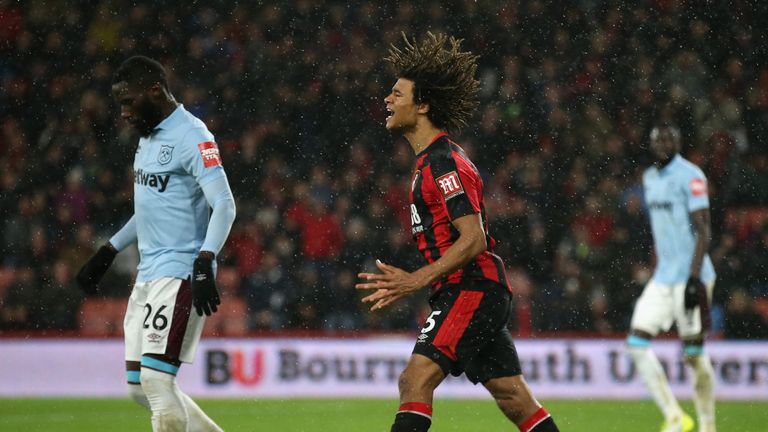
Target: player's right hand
x: 93, y: 270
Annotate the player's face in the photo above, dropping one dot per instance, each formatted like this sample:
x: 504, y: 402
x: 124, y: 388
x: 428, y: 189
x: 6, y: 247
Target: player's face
x: 137, y: 108
x: 663, y: 144
x: 401, y: 108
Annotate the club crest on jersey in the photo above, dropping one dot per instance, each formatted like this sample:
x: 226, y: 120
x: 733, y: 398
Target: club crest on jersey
x: 165, y: 155
x: 698, y: 187
x: 450, y: 185
x: 210, y: 153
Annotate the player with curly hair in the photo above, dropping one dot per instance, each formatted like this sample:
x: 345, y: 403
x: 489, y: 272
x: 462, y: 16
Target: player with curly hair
x: 436, y: 92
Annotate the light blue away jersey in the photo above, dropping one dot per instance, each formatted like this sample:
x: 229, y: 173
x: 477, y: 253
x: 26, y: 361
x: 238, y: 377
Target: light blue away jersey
x: 170, y: 210
x: 671, y: 194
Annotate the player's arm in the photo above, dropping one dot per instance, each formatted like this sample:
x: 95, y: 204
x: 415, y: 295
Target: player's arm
x: 702, y: 227
x: 222, y: 202
x: 93, y: 270
x: 394, y: 283
x: 695, y: 292
x: 219, y: 197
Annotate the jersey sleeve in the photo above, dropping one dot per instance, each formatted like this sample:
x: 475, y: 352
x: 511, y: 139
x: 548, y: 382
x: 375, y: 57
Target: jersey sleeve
x: 459, y: 186
x: 696, y: 191
x: 200, y: 156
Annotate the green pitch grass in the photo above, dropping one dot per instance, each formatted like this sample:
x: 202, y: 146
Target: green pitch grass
x: 78, y: 415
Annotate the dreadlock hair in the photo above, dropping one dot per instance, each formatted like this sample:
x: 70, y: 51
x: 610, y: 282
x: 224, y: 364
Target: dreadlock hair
x: 141, y: 71
x: 443, y: 77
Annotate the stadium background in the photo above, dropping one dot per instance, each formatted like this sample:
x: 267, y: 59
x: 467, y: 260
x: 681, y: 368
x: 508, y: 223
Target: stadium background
x: 294, y: 94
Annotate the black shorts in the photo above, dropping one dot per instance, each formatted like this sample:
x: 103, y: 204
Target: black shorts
x: 467, y: 332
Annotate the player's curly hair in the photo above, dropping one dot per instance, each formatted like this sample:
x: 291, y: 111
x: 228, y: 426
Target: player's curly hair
x: 142, y: 71
x: 444, y: 77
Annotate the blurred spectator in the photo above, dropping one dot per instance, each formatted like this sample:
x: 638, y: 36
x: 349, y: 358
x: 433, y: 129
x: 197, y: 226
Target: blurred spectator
x: 57, y: 301
x: 271, y: 295
x: 17, y: 303
x: 568, y: 93
x: 741, y: 319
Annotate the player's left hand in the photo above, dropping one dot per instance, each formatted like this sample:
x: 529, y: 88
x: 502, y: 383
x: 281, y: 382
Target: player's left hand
x: 205, y: 295
x: 391, y: 285
x: 694, y: 290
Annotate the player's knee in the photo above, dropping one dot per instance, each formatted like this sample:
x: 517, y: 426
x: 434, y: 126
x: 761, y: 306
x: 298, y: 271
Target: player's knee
x: 412, y: 380
x: 407, y: 381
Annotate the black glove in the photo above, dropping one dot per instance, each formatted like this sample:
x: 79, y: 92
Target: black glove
x: 694, y: 290
x: 93, y: 270
x: 205, y: 296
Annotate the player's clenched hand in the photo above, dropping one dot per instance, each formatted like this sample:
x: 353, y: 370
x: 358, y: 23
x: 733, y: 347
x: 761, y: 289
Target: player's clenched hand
x: 694, y: 291
x: 391, y: 284
x: 93, y: 270
x: 205, y: 296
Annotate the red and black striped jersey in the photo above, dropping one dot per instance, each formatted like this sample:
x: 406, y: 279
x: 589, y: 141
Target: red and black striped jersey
x: 446, y: 185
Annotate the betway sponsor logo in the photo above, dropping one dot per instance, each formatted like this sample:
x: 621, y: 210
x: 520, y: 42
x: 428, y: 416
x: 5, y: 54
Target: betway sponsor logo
x: 159, y: 182
x: 660, y: 205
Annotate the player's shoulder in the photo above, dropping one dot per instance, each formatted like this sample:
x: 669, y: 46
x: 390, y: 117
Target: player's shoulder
x: 650, y: 172
x: 688, y: 169
x: 192, y: 131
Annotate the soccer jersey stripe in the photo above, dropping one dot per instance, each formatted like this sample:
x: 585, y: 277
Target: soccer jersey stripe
x: 428, y: 239
x: 181, y: 311
x: 456, y: 322
x: 446, y: 185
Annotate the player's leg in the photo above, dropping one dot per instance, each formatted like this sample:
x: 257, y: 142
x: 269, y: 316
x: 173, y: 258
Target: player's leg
x: 174, y: 409
x: 133, y: 370
x: 158, y: 380
x: 516, y: 401
x: 171, y: 334
x: 132, y: 329
x: 693, y: 325
x: 497, y: 366
x: 417, y: 384
x: 434, y: 356
x: 653, y: 313
x: 703, y: 383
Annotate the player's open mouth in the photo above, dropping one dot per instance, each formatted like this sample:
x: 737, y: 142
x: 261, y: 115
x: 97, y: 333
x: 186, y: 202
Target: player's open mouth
x: 391, y: 113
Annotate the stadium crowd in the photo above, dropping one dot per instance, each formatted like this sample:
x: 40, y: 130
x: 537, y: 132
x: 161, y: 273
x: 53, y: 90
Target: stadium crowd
x: 294, y: 94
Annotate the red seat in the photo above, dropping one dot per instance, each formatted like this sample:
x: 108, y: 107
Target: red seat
x: 102, y: 316
x: 7, y: 276
x: 230, y: 320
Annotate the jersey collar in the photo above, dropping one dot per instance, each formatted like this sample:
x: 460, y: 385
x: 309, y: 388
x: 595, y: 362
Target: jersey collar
x: 173, y: 118
x: 674, y: 161
x: 436, y: 138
